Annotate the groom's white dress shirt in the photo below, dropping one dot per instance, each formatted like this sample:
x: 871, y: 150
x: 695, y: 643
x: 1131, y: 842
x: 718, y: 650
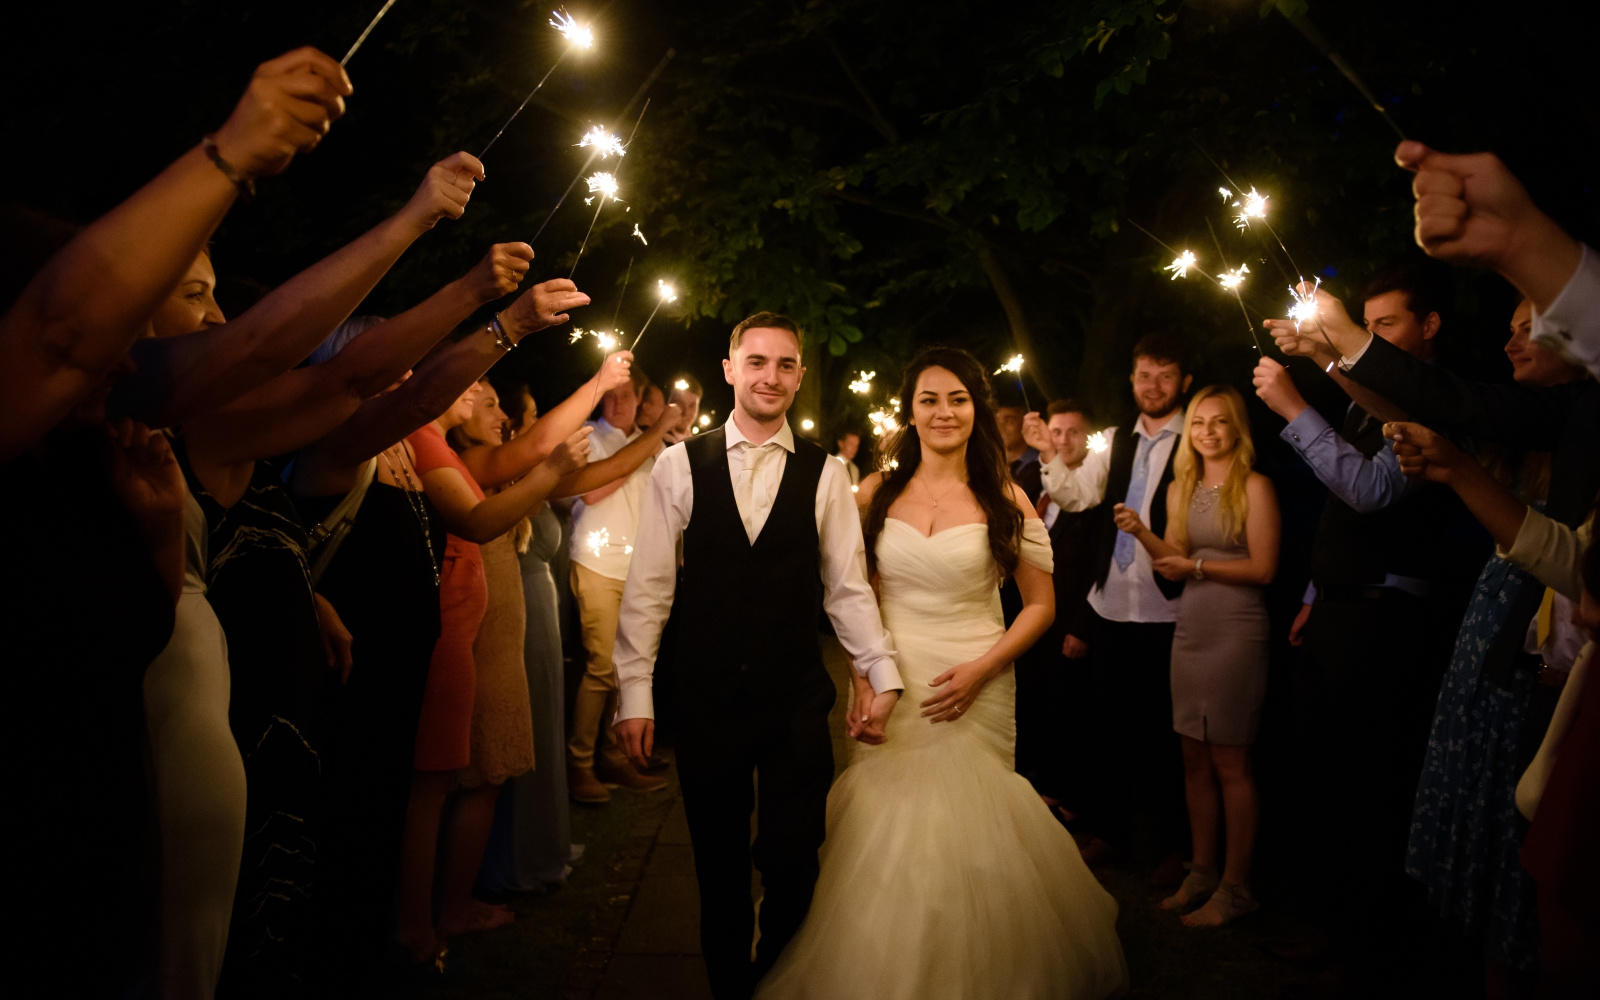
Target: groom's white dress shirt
x: 756, y: 472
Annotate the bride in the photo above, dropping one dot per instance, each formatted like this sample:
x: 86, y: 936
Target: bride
x: 943, y: 873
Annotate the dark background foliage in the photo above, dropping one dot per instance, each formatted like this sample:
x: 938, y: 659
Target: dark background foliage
x: 891, y: 172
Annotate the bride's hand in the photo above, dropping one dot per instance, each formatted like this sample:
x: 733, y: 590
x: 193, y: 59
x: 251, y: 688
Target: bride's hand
x: 959, y: 689
x: 868, y: 717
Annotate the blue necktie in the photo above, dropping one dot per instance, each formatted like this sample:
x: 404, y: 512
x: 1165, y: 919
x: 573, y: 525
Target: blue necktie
x: 1122, y: 552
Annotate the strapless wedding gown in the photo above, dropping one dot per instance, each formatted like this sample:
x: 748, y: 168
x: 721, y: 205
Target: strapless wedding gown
x: 943, y: 873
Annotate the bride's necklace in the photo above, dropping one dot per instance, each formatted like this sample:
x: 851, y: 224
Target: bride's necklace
x: 948, y: 490
x: 417, y: 503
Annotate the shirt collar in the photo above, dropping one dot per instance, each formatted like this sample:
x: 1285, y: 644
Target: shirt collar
x: 1174, y: 424
x: 784, y: 438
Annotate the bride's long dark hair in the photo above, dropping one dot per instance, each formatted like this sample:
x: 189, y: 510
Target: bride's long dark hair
x: 988, y: 473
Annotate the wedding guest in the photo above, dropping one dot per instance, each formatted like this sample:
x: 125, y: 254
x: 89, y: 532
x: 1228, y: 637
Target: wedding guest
x: 1022, y: 458
x: 1055, y: 710
x: 444, y: 729
x: 1135, y: 607
x: 604, y: 523
x: 1222, y: 537
x: 845, y: 448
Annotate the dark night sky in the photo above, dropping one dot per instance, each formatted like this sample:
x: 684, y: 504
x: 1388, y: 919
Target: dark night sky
x: 98, y: 102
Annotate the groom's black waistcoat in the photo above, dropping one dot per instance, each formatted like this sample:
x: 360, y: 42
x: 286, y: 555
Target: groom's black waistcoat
x: 747, y: 613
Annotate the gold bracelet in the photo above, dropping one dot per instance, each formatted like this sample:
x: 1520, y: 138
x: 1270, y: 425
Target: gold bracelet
x: 246, y: 186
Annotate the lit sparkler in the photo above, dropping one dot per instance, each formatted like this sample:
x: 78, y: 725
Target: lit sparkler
x: 705, y: 420
x: 363, y: 36
x: 607, y: 342
x: 664, y: 293
x: 863, y: 383
x: 1014, y: 366
x: 1231, y: 280
x: 808, y: 425
x: 602, y: 142
x: 1098, y: 442
x: 598, y: 540
x: 603, y: 186
x: 1250, y: 206
x: 578, y: 37
x: 1304, y: 309
x: 639, y: 235
x: 883, y: 422
x: 1181, y: 264
x: 682, y: 385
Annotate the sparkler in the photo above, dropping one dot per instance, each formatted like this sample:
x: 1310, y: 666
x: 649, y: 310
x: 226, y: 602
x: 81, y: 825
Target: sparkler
x: 664, y: 293
x: 863, y: 383
x: 639, y: 236
x: 607, y: 342
x: 603, y: 186
x: 1251, y: 206
x: 598, y: 540
x: 1232, y: 280
x: 1304, y: 309
x: 808, y: 425
x: 578, y: 37
x: 1312, y: 35
x: 1098, y: 442
x: 705, y: 420
x: 1014, y: 366
x: 883, y: 422
x: 363, y: 36
x: 602, y: 142
x: 1181, y: 264
x: 593, y: 155
x: 682, y: 385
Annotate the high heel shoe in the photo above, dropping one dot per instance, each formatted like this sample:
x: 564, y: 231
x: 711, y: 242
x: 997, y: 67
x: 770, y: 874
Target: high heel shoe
x: 1196, y: 888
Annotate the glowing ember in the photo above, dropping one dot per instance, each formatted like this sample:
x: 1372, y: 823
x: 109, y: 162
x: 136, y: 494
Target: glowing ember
x: 1181, y: 264
x: 577, y: 35
x: 602, y: 142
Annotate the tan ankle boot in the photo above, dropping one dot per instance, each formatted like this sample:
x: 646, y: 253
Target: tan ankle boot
x: 623, y: 773
x: 584, y: 787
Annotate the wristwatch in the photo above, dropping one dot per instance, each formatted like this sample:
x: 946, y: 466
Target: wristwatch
x: 1199, y: 569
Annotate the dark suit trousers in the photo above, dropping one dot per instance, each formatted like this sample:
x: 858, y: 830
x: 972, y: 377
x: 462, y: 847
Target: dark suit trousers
x: 784, y: 745
x: 1138, y: 769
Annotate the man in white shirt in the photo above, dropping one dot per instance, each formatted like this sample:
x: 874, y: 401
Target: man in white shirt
x: 604, y: 522
x: 1135, y: 609
x: 768, y: 536
x: 849, y: 445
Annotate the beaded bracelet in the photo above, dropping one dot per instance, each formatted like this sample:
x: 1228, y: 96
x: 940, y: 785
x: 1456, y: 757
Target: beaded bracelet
x: 246, y: 186
x: 501, y: 339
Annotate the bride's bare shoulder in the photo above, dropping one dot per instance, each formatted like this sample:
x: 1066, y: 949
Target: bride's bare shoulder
x: 1019, y: 496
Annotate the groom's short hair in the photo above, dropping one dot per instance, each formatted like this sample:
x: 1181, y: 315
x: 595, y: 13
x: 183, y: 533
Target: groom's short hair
x: 768, y: 320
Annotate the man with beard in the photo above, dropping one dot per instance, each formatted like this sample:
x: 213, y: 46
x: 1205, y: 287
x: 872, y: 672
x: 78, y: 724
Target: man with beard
x: 1134, y: 608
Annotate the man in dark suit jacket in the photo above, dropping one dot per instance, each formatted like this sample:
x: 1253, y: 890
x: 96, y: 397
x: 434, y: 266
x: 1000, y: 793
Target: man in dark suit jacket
x: 1054, y: 710
x: 1133, y: 608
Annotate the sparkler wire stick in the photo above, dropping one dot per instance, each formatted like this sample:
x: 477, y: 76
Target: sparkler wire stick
x: 1303, y: 25
x: 642, y: 329
x: 536, y: 88
x: 363, y: 36
x: 579, y: 176
x: 1248, y: 324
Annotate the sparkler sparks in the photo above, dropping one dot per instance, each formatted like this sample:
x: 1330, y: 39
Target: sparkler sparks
x: 605, y: 183
x: 1251, y: 206
x: 602, y: 142
x: 639, y: 235
x: 666, y: 291
x: 883, y: 422
x: 1014, y: 366
x: 1098, y: 442
x: 607, y: 342
x: 1231, y: 280
x: 1304, y: 308
x: 1181, y: 264
x: 863, y: 383
x: 682, y: 385
x: 597, y: 541
x: 705, y: 420
x: 808, y: 424
x: 579, y: 36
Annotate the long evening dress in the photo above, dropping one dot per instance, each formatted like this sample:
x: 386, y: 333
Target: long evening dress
x: 943, y: 874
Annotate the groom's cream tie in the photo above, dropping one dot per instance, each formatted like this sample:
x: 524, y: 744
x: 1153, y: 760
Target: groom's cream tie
x: 750, y: 490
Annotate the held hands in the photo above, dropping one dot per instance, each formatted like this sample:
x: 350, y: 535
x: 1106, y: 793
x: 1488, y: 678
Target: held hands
x: 1127, y: 519
x: 1036, y: 435
x: 867, y: 719
x: 444, y: 191
x: 336, y: 639
x: 500, y: 271
x: 960, y: 686
x: 571, y: 454
x: 1276, y: 389
x: 638, y: 739
x: 1074, y: 648
x: 288, y: 107
x: 543, y: 305
x: 1424, y: 453
x: 1174, y: 567
x: 1298, y: 628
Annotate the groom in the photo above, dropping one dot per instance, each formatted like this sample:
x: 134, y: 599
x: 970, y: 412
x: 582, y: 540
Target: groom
x: 770, y: 538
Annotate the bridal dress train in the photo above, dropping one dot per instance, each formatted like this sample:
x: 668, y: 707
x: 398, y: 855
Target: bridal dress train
x: 943, y: 873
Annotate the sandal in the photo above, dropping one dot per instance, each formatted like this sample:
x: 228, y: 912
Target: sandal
x: 1196, y: 887
x: 1228, y: 903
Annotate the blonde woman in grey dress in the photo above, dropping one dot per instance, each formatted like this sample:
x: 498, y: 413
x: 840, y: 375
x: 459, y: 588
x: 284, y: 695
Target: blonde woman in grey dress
x: 1222, y: 537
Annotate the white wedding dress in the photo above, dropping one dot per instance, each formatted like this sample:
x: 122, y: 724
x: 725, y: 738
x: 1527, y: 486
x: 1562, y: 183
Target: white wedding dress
x: 943, y: 874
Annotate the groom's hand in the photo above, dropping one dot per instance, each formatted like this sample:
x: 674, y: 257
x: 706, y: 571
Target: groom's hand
x: 638, y: 739
x: 871, y: 720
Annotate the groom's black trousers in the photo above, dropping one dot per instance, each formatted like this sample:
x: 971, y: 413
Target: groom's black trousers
x: 783, y: 746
